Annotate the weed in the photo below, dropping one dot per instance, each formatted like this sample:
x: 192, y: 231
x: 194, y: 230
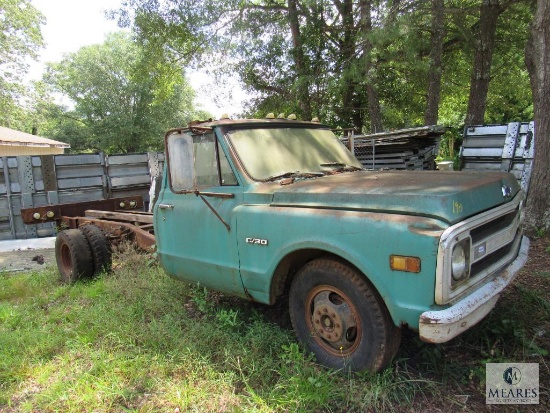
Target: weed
x: 200, y: 297
x: 61, y: 227
x: 228, y: 318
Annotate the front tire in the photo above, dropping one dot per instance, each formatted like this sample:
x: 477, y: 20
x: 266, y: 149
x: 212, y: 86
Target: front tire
x: 73, y: 255
x: 339, y: 317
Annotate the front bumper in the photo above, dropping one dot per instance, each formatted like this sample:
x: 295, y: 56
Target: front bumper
x: 439, y: 326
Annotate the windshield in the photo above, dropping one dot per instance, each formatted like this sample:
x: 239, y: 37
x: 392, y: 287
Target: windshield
x: 272, y: 152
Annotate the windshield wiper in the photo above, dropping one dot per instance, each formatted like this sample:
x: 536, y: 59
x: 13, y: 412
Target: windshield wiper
x: 295, y: 174
x: 282, y: 175
x: 340, y: 166
x: 334, y: 163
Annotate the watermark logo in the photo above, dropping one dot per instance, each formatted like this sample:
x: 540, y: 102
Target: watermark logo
x: 512, y: 383
x: 512, y: 376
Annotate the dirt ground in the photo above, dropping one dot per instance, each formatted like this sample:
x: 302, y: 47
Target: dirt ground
x: 536, y: 273
x: 26, y: 259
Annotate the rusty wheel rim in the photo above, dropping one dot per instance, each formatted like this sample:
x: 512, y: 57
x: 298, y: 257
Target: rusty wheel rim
x: 333, y: 320
x: 66, y: 260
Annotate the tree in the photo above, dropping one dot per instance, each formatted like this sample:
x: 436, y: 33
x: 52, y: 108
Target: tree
x: 20, y: 40
x: 361, y: 63
x: 538, y: 62
x: 299, y: 59
x: 436, y: 65
x: 483, y: 56
x: 123, y: 99
x: 371, y: 81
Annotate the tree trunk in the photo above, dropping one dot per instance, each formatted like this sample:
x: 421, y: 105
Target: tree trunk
x: 302, y: 77
x: 347, y: 51
x: 436, y: 66
x: 481, y: 71
x: 537, y: 58
x: 373, y: 101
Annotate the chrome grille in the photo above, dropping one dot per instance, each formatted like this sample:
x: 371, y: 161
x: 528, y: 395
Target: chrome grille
x: 495, y: 238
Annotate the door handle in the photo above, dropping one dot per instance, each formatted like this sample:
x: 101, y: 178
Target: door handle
x: 166, y: 206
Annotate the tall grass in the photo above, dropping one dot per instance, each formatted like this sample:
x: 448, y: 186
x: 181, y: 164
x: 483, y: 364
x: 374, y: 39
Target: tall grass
x: 136, y: 340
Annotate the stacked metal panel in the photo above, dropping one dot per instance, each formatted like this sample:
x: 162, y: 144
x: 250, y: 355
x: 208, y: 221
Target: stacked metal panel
x: 30, y: 181
x: 507, y: 148
x: 410, y: 149
x: 21, y: 184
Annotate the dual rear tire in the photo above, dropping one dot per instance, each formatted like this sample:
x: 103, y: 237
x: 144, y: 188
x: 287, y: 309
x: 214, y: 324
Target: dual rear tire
x: 82, y: 253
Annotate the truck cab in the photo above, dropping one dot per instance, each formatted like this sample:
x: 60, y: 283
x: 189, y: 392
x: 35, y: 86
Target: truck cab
x: 264, y: 208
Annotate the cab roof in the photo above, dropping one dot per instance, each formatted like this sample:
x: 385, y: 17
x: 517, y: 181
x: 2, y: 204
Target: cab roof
x: 201, y: 127
x: 252, y: 122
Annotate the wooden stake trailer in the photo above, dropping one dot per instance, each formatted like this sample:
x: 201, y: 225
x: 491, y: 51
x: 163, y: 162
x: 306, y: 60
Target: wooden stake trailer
x: 83, y: 246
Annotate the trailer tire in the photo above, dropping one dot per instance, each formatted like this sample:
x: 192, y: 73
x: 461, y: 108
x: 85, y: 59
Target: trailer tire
x: 73, y: 255
x: 341, y: 318
x: 100, y: 248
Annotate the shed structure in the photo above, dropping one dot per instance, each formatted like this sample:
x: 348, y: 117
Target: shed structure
x: 17, y: 143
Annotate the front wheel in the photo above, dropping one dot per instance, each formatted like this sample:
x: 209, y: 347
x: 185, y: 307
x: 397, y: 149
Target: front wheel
x: 341, y: 318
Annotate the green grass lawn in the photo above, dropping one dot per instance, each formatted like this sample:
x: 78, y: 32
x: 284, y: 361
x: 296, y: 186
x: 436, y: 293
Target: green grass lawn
x: 136, y: 340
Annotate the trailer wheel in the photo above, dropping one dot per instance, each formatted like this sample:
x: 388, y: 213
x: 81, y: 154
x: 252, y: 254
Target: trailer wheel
x: 100, y: 248
x: 73, y: 255
x: 341, y: 318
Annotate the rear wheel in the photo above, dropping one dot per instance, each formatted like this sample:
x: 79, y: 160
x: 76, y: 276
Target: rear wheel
x: 341, y: 318
x: 73, y: 255
x: 99, y: 246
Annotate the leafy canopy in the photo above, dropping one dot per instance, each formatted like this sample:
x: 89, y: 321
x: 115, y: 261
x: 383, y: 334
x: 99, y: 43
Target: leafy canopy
x: 330, y: 52
x: 123, y: 99
x: 20, y: 41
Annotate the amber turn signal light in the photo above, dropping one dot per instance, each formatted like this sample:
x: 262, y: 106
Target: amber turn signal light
x: 402, y: 263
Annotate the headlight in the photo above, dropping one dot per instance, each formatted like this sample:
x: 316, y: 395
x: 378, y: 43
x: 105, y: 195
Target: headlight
x: 460, y: 261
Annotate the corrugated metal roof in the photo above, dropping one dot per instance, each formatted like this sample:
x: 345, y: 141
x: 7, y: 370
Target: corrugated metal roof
x: 16, y: 138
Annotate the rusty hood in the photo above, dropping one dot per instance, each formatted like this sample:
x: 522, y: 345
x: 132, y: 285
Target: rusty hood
x: 449, y: 196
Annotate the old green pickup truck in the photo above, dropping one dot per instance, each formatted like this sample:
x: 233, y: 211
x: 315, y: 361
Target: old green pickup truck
x: 265, y: 208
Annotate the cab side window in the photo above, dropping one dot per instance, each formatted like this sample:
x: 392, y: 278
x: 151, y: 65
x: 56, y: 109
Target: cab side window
x: 206, y: 164
x: 194, y: 162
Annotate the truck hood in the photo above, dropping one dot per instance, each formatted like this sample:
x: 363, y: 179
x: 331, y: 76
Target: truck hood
x: 449, y: 196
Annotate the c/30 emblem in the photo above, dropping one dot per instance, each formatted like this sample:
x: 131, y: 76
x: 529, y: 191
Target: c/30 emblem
x: 257, y: 241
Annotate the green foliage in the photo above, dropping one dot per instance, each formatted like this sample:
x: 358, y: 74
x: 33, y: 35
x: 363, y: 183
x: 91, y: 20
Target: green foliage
x: 138, y: 340
x: 200, y: 298
x: 327, y: 56
x: 133, y: 340
x: 228, y: 318
x: 124, y: 99
x: 125, y: 93
x: 20, y: 40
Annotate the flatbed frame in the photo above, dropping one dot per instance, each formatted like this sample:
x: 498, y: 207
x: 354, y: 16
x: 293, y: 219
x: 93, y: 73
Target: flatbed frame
x: 120, y: 218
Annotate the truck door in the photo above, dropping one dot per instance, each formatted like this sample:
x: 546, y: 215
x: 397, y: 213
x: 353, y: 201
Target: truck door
x: 194, y: 216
